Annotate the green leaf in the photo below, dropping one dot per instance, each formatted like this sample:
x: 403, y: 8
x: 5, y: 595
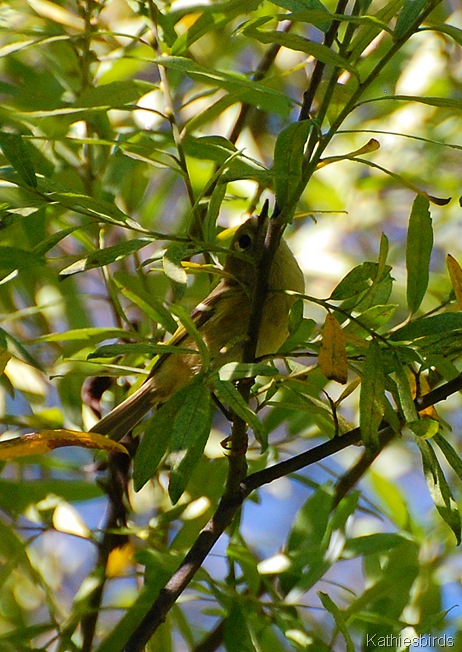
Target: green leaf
x: 171, y: 263
x: 372, y: 318
x: 17, y: 637
x: 182, y: 425
x: 191, y: 429
x: 307, y: 543
x: 301, y: 5
x: 92, y: 207
x: 135, y: 290
x: 229, y: 395
x: 114, y: 94
x: 17, y: 153
x: 288, y: 162
x: 434, y: 325
x: 238, y: 370
x: 371, y: 544
x: 139, y: 348
x: 102, y: 257
x: 372, y: 397
x: 451, y: 455
x: 339, y: 618
x: 48, y: 243
x: 452, y: 31
x: 213, y: 17
x: 13, y: 258
x: 212, y: 148
x: 236, y: 634
x: 311, y: 521
x: 89, y: 335
x: 301, y: 44
x: 190, y: 327
x: 408, y: 15
x: 406, y: 399
x: 243, y: 89
x: 424, y: 428
x: 357, y: 280
x: 439, y: 488
x: 419, y: 246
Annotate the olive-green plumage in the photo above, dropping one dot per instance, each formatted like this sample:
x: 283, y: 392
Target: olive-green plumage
x: 223, y: 320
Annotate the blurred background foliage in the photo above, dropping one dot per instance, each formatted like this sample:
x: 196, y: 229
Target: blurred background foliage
x: 113, y: 171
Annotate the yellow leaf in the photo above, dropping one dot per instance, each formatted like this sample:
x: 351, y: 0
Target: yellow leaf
x: 455, y: 274
x: 332, y: 356
x: 38, y: 443
x: 4, y: 358
x: 57, y: 14
x: 423, y: 388
x: 120, y: 559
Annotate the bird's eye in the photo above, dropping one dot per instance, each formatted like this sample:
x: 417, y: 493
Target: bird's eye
x: 244, y: 241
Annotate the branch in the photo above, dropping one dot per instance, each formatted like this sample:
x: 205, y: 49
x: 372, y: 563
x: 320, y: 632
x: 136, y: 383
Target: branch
x: 262, y: 68
x: 239, y: 438
x: 116, y: 519
x: 318, y: 71
x: 228, y: 508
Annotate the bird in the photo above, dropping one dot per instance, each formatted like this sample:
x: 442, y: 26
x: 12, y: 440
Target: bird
x: 222, y: 319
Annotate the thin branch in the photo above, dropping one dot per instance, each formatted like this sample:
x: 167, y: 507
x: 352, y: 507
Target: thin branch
x: 116, y: 490
x: 153, y: 12
x: 318, y: 71
x: 260, y: 72
x: 239, y: 439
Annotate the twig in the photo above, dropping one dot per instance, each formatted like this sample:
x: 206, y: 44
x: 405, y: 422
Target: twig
x: 262, y: 68
x: 318, y: 71
x: 116, y: 489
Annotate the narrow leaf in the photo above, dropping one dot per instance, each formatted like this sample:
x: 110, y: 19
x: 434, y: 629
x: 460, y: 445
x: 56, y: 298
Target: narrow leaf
x: 339, y: 618
x: 191, y: 430
x: 372, y: 397
x: 238, y: 370
x: 102, y: 257
x: 406, y: 399
x: 332, y: 355
x: 171, y: 263
x: 419, y: 245
x: 408, y: 15
x: 182, y: 425
x: 451, y: 455
x: 372, y: 145
x: 134, y: 289
x: 455, y: 274
x: 288, y: 162
x: 15, y: 258
x: 357, y: 280
x: 229, y: 395
x: 189, y: 325
x: 140, y: 348
x: 424, y: 428
x: 301, y: 44
x: 433, y: 325
x: 15, y: 151
x: 243, y: 89
x: 439, y: 488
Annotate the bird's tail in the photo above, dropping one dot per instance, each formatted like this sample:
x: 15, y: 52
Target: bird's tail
x: 129, y: 413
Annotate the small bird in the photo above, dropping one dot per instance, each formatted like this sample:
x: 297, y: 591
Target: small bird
x: 222, y: 320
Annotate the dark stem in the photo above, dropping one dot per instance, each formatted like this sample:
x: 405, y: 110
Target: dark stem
x: 262, y: 68
x: 318, y: 71
x: 116, y: 489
